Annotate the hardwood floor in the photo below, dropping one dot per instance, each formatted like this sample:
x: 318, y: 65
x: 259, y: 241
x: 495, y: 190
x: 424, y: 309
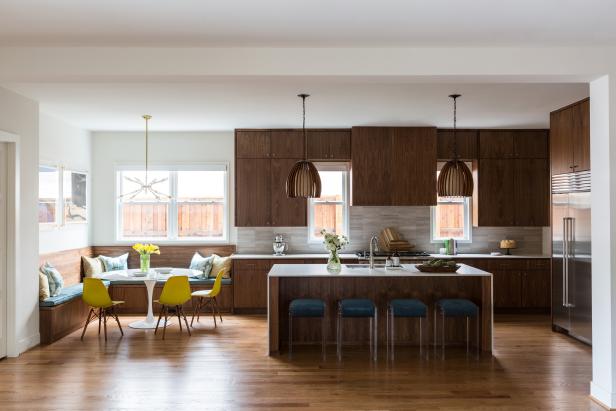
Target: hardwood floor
x: 227, y: 368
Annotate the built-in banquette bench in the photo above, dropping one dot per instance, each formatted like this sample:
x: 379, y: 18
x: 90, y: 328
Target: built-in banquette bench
x: 65, y: 313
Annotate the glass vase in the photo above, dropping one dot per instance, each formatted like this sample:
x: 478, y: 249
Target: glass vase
x: 144, y: 263
x: 333, y: 263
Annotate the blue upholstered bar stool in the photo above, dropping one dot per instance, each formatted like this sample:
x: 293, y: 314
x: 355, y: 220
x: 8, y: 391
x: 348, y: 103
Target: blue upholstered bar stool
x: 456, y: 307
x: 404, y: 308
x: 357, y: 308
x: 307, y: 308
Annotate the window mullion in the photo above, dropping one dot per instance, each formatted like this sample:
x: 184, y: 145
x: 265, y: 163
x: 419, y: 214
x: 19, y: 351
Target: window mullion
x: 173, y: 206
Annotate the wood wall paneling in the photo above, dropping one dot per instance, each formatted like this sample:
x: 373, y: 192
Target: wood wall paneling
x: 329, y: 145
x: 581, y: 133
x: 252, y: 144
x: 413, y: 166
x: 531, y: 144
x: 532, y: 192
x: 285, y: 211
x: 497, y: 144
x: 496, y: 192
x: 253, y: 193
x: 287, y: 144
x: 466, y: 141
x: 170, y: 255
x: 371, y: 175
x: 68, y: 263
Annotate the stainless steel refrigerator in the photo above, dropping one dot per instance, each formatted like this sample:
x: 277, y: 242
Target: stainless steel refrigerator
x: 571, y: 251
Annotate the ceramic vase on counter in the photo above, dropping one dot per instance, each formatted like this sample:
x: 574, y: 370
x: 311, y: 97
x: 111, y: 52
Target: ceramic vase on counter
x: 333, y: 263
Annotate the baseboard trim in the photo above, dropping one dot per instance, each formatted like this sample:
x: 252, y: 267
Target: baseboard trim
x: 27, y: 343
x: 601, y: 396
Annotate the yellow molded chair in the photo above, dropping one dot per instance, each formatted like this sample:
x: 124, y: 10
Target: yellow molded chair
x: 176, y: 293
x: 208, y: 298
x: 96, y: 295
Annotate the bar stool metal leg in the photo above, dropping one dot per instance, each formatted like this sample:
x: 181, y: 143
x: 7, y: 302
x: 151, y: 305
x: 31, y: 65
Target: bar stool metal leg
x: 435, y: 336
x: 443, y: 332
x: 290, y: 333
x: 393, y: 333
x: 339, y: 335
x: 323, y: 334
x: 420, y: 338
x: 371, y: 336
x: 375, y: 334
x: 467, y: 334
x: 477, y: 325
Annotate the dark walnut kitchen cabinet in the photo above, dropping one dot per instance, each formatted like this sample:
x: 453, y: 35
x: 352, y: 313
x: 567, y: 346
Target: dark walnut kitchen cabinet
x: 570, y: 138
x: 393, y: 166
x: 518, y: 283
x: 466, y: 144
x: 260, y: 174
x: 329, y: 145
x: 513, y: 186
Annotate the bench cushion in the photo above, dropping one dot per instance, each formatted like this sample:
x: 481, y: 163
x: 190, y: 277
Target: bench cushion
x: 67, y: 294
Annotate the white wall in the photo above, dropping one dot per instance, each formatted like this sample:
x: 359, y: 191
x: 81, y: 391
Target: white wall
x: 112, y: 149
x: 20, y: 115
x: 64, y: 145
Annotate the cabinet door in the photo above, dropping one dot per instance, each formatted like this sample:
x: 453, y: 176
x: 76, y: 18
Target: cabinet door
x: 496, y: 143
x: 531, y: 144
x: 287, y: 143
x: 285, y: 211
x: 370, y: 172
x: 252, y: 192
x: 466, y: 142
x: 252, y: 144
x: 496, y: 193
x: 532, y: 192
x: 536, y: 289
x: 329, y: 145
x: 507, y: 287
x: 250, y: 283
x: 581, y: 135
x: 561, y: 142
x: 413, y: 166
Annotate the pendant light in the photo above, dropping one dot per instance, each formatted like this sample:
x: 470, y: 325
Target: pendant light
x: 304, y: 180
x: 455, y: 179
x: 145, y: 187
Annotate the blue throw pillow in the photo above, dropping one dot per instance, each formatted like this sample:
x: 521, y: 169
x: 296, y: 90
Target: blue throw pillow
x: 56, y: 282
x: 203, y: 264
x: 115, y: 263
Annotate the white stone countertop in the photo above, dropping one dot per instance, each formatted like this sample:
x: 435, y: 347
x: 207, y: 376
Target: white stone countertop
x: 286, y: 256
x: 360, y: 270
x: 464, y: 255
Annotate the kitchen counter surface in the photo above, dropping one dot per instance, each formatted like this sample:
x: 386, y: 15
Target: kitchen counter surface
x: 463, y: 255
x: 408, y: 270
x: 287, y: 256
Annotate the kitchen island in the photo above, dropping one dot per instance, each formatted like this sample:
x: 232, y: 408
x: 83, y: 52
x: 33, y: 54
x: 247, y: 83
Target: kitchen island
x: 287, y: 282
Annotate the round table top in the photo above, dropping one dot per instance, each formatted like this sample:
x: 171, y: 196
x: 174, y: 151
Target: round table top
x: 133, y: 274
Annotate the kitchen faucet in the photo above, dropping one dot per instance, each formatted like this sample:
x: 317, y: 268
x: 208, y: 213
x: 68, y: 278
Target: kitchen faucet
x: 373, y: 247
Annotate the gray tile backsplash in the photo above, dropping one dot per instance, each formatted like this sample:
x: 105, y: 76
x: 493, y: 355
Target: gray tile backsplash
x: 412, y: 222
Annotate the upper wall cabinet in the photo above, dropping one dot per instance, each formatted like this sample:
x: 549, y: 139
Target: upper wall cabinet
x: 393, y: 166
x: 465, y: 141
x: 329, y: 145
x: 570, y: 138
x: 513, y: 144
x: 269, y: 144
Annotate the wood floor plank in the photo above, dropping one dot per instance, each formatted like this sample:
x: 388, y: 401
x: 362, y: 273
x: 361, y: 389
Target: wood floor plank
x: 227, y: 368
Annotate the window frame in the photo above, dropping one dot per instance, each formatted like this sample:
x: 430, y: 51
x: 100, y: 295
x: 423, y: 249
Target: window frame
x: 59, y: 198
x: 468, y: 215
x: 172, y: 210
x: 331, y: 166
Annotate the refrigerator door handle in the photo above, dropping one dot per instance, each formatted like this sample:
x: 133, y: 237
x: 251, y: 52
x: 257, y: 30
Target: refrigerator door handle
x: 570, y: 254
x: 564, y: 261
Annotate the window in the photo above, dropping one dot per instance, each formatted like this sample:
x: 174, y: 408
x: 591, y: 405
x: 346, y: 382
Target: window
x: 451, y: 218
x: 49, y: 193
x: 192, y: 204
x: 330, y: 211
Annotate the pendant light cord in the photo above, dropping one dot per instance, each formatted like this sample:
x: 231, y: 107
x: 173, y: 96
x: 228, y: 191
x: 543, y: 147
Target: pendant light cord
x: 147, y: 118
x: 455, y: 120
x: 303, y: 97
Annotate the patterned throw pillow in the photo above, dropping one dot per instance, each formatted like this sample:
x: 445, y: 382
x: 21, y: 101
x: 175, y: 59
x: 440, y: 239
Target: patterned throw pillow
x: 92, y: 266
x: 43, y: 286
x: 221, y: 263
x: 203, y: 264
x: 56, y: 282
x: 115, y: 263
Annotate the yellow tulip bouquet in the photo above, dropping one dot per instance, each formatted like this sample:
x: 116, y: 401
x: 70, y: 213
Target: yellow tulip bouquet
x: 145, y: 251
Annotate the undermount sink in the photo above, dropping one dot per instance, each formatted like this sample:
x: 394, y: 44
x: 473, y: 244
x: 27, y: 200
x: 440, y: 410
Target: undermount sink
x: 364, y: 265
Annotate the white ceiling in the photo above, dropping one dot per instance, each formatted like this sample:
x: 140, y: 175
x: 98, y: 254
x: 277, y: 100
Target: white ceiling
x: 261, y: 103
x: 321, y: 23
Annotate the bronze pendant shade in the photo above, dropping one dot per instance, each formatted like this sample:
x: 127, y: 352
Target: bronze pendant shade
x: 304, y: 180
x: 455, y: 179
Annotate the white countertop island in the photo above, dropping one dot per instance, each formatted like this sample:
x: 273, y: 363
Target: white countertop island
x: 360, y: 270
